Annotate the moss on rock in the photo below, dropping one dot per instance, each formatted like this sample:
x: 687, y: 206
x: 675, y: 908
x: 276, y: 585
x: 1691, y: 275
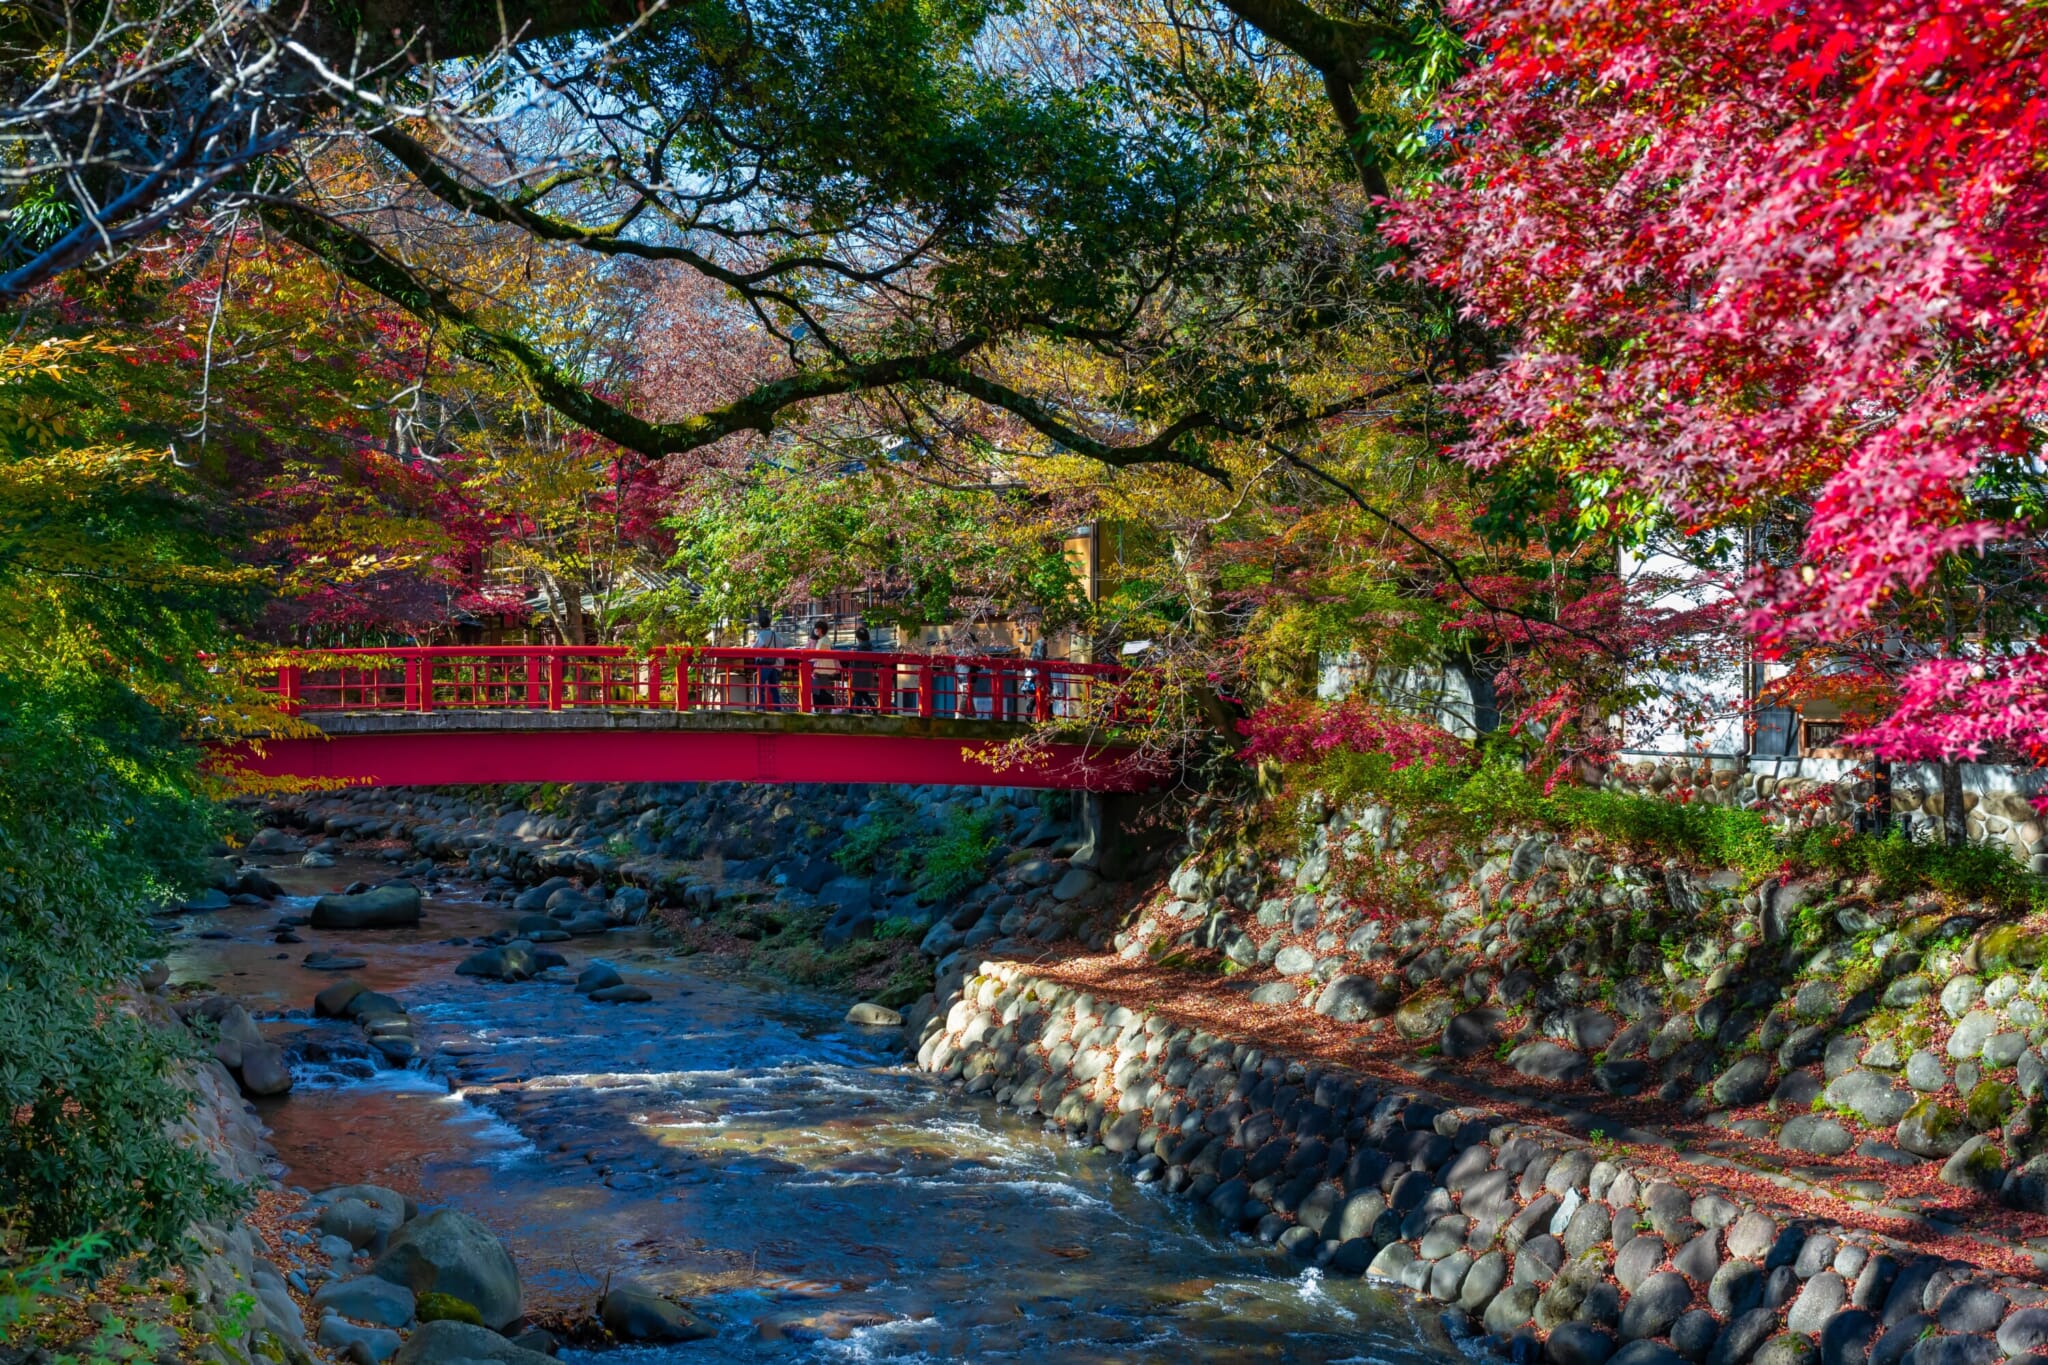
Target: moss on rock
x: 446, y: 1308
x: 1988, y: 1104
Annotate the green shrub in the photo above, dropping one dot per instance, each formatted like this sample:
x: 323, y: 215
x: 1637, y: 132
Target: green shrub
x: 957, y: 859
x: 1462, y: 805
x: 864, y: 850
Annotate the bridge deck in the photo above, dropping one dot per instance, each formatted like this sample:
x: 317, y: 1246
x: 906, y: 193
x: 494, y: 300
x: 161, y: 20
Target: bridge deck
x: 457, y: 716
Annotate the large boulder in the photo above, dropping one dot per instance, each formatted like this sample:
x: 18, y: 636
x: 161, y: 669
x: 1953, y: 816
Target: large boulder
x: 449, y: 1252
x: 391, y: 906
x: 447, y: 1342
x: 264, y: 1071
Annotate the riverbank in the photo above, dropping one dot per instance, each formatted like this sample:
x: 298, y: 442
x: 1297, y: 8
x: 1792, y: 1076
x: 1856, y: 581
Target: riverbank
x: 1772, y: 1063
x: 736, y: 1147
x: 231, y: 1301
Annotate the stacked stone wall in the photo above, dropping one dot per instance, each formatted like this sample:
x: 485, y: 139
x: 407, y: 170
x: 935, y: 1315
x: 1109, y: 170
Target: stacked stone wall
x: 1538, y: 1240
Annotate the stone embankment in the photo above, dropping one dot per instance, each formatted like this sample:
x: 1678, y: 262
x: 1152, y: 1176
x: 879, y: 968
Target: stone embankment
x: 1544, y: 1242
x: 1885, y: 1050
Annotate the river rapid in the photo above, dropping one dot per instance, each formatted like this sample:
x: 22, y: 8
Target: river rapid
x: 734, y: 1144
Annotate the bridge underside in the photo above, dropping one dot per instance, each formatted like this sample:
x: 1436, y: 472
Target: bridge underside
x: 456, y: 748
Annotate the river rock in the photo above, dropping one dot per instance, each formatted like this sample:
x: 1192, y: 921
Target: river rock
x: 367, y: 1298
x: 509, y: 963
x: 634, y: 1314
x: 874, y: 1016
x: 622, y: 995
x: 358, y: 1223
x: 596, y: 976
x: 448, y: 1342
x: 449, y: 1252
x: 357, y: 1343
x: 263, y: 1070
x: 393, y: 906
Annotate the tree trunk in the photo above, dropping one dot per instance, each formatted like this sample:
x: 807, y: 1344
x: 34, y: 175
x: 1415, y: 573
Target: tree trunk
x: 1955, y: 830
x: 1189, y: 559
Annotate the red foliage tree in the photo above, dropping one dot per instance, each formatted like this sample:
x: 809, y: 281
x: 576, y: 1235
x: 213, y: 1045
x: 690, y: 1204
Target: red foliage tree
x: 1756, y: 252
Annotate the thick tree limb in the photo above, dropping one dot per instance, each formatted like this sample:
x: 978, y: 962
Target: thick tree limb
x: 1341, y: 50
x: 361, y: 260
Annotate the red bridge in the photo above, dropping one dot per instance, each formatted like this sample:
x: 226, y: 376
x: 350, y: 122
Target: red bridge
x: 429, y: 717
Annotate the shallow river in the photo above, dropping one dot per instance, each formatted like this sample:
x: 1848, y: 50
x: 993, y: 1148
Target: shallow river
x: 736, y: 1145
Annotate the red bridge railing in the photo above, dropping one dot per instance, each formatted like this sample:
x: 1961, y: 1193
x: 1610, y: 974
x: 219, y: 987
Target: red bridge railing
x: 779, y: 681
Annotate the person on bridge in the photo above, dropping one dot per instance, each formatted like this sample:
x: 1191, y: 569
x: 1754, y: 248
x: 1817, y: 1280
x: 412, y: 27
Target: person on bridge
x: 824, y: 671
x: 769, y: 670
x: 863, y: 698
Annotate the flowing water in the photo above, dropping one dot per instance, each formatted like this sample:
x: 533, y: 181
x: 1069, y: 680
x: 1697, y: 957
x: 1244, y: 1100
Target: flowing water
x: 735, y: 1145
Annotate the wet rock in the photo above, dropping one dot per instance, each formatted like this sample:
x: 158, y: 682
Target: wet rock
x: 596, y: 976
x: 871, y: 1015
x: 509, y: 963
x: 622, y: 995
x: 393, y: 906
x: 449, y: 1252
x: 634, y: 1314
x: 263, y: 1070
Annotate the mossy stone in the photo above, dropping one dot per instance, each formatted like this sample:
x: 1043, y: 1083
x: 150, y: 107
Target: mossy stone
x: 1987, y: 1161
x: 448, y: 1308
x: 2008, y: 948
x: 1931, y: 1129
x: 1989, y: 1103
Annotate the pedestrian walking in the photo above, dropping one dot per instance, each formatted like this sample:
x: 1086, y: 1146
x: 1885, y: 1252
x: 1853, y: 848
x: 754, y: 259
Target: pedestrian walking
x: 768, y: 671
